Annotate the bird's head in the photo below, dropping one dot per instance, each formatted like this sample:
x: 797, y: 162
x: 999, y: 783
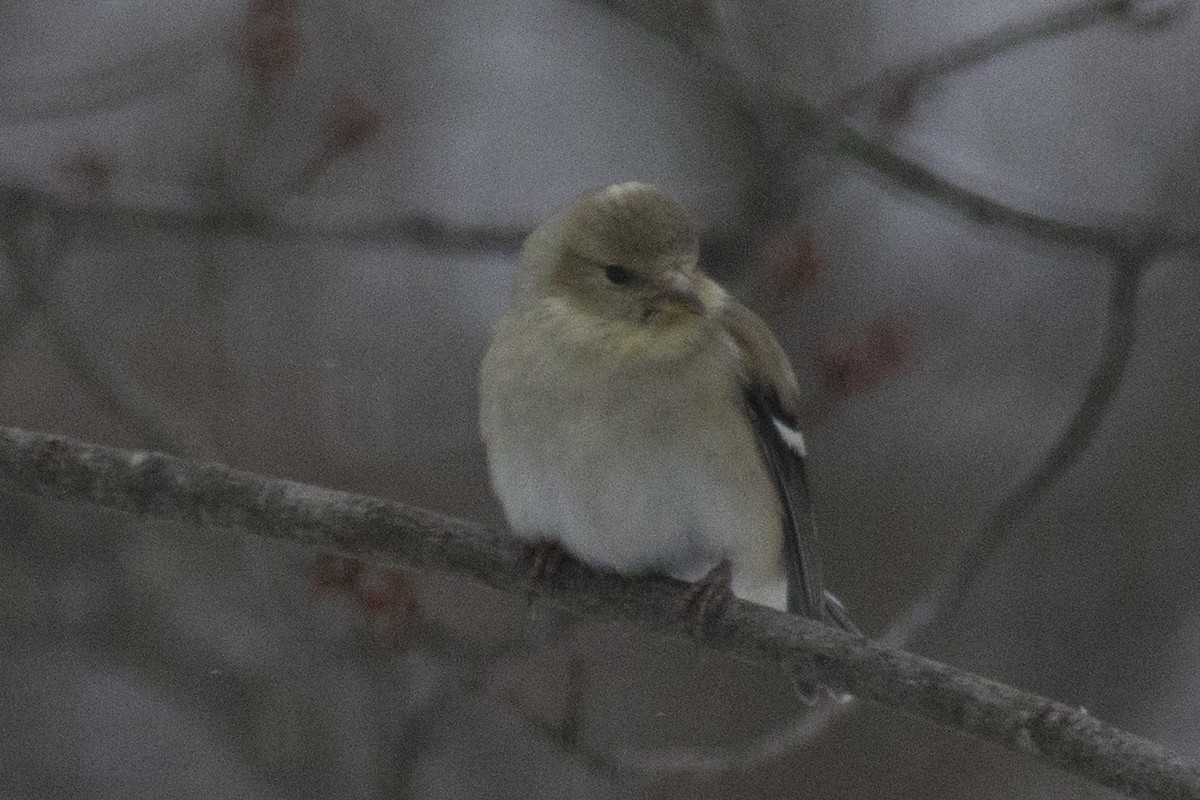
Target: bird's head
x: 624, y: 253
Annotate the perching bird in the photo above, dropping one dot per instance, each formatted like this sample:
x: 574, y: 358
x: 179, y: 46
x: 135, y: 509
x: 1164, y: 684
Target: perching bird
x: 640, y: 417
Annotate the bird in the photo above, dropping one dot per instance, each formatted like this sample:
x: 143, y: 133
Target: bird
x: 637, y: 416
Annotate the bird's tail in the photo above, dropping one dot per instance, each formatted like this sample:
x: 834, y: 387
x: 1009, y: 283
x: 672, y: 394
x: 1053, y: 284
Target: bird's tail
x: 806, y: 690
x: 835, y: 613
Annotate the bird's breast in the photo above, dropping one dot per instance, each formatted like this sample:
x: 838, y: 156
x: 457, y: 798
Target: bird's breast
x: 635, y: 469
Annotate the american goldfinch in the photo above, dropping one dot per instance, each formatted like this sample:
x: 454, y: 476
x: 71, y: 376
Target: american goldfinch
x: 636, y: 414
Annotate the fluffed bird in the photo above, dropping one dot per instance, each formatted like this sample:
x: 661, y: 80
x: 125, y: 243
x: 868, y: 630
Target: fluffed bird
x: 639, y: 416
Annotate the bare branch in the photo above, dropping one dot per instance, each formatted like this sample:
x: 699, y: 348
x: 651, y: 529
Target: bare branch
x: 950, y: 589
x: 106, y: 380
x: 421, y: 231
x: 350, y: 123
x: 416, y: 230
x: 772, y: 194
x: 1005, y: 40
x: 574, y: 714
x: 699, y: 41
x: 713, y: 761
x: 473, y: 665
x: 154, y: 486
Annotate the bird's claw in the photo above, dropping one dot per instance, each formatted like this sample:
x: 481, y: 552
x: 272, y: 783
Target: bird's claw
x: 707, y: 597
x: 544, y: 556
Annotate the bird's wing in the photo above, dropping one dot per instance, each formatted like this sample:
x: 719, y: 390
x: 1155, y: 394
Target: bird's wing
x: 771, y: 400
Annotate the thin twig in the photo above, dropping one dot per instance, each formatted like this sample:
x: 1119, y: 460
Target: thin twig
x: 805, y: 119
x: 416, y: 230
x: 707, y: 762
x: 1002, y: 41
x: 473, y: 665
x: 214, y: 293
x: 105, y: 379
x: 574, y: 714
x: 555, y: 735
x: 214, y: 276
x: 154, y: 486
x: 950, y: 589
x: 976, y: 206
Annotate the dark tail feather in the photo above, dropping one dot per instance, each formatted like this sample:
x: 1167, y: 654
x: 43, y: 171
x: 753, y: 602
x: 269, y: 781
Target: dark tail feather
x: 835, y: 612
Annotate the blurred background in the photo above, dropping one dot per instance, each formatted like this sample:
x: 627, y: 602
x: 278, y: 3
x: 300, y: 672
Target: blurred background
x: 277, y: 234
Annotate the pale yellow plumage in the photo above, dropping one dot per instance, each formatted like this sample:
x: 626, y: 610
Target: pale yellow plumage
x: 618, y: 404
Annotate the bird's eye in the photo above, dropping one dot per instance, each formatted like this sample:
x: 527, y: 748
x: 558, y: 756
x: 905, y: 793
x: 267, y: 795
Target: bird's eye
x: 618, y: 275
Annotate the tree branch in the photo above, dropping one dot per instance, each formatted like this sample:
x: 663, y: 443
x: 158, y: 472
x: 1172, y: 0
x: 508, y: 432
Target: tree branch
x: 473, y: 668
x: 416, y: 230
x: 692, y: 35
x: 953, y: 584
x: 1006, y: 39
x: 107, y: 381
x: 152, y: 486
x: 422, y: 231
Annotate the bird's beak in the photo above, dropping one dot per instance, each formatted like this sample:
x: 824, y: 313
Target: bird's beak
x: 678, y: 294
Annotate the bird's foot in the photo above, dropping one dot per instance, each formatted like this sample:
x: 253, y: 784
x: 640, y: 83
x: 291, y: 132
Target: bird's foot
x: 706, y: 598
x: 544, y: 556
x: 542, y: 627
